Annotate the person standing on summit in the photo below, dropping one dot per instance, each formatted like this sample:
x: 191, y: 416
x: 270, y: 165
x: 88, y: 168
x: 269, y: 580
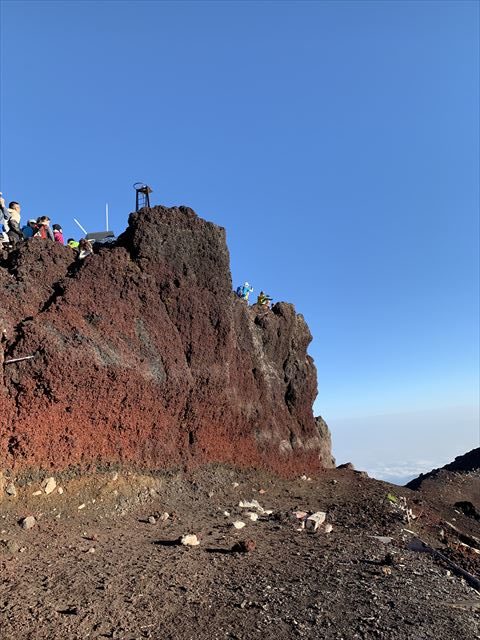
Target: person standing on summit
x: 12, y: 215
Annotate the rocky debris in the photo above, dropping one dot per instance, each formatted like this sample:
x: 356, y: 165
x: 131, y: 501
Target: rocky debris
x: 293, y: 585
x: 10, y: 490
x: 208, y: 368
x: 49, y: 485
x: 37, y: 493
x: 238, y: 524
x: 152, y: 520
x: 467, y: 463
x: 468, y: 509
x: 11, y: 546
x: 28, y: 522
x: 251, y: 504
x: 314, y: 521
x: 347, y: 465
x: 164, y: 516
x: 189, y: 540
x: 244, y: 546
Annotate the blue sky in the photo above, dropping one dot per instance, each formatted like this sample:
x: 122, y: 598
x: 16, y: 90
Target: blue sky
x: 337, y: 142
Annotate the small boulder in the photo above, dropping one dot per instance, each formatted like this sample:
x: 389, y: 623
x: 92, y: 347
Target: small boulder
x: 244, y: 546
x: 28, y: 522
x: 10, y: 545
x: 152, y: 520
x: 346, y: 465
x: 10, y: 490
x: 238, y: 524
x: 49, y: 485
x: 190, y: 540
x: 314, y: 521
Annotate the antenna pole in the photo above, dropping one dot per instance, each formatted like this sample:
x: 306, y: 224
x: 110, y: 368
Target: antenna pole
x: 106, y: 215
x: 77, y: 222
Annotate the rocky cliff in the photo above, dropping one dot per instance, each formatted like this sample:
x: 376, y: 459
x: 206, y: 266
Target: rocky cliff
x: 144, y: 356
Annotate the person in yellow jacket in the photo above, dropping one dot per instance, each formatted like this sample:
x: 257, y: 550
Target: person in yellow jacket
x: 264, y: 299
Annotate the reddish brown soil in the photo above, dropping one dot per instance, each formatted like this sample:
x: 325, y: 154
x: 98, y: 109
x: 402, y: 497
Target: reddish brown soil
x: 144, y: 355
x: 136, y: 584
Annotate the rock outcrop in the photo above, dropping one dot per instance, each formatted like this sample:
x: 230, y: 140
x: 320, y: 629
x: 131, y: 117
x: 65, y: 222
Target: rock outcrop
x: 466, y: 463
x: 144, y: 356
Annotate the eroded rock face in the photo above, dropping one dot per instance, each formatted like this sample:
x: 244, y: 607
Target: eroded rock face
x: 144, y: 355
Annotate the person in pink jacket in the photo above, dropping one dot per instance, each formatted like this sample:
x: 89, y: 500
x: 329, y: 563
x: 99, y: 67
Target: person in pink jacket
x: 58, y: 233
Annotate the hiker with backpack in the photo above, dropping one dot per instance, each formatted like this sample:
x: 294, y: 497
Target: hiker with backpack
x: 43, y: 229
x: 3, y: 223
x: 29, y: 229
x: 58, y: 233
x: 264, y: 299
x: 84, y: 249
x: 12, y: 216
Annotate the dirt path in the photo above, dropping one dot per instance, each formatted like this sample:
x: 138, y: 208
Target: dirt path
x: 136, y: 584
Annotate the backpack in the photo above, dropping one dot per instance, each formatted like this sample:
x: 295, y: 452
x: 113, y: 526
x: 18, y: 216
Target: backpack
x: 40, y: 232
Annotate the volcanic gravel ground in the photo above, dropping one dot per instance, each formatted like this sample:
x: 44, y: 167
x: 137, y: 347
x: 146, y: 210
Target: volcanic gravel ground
x: 138, y: 584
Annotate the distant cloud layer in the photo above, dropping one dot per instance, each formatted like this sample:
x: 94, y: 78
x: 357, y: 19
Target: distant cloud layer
x: 398, y: 447
x: 403, y: 472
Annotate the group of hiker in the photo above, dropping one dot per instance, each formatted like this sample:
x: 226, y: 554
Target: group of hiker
x: 11, y: 231
x: 244, y: 290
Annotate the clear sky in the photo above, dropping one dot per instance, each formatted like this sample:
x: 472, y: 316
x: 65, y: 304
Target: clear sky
x: 337, y: 142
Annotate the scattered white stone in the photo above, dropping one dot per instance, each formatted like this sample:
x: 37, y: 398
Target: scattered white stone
x: 314, y: 521
x: 115, y: 476
x: 383, y: 539
x: 190, y: 540
x: 253, y: 516
x: 268, y: 512
x: 304, y: 477
x: 28, y: 522
x: 253, y: 504
x: 235, y: 485
x: 152, y: 492
x: 60, y: 490
x: 10, y: 489
x: 152, y: 519
x: 81, y: 506
x: 301, y: 515
x: 49, y: 485
x: 37, y: 493
x: 211, y: 494
x: 238, y: 524
x: 328, y: 528
x: 165, y: 516
x: 226, y: 513
x: 91, y: 550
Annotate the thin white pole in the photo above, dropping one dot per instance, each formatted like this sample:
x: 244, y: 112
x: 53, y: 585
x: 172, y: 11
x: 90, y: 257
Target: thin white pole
x: 18, y: 359
x: 84, y: 230
x: 106, y: 214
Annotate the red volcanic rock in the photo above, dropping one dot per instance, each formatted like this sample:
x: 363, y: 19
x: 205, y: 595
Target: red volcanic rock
x: 144, y: 356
